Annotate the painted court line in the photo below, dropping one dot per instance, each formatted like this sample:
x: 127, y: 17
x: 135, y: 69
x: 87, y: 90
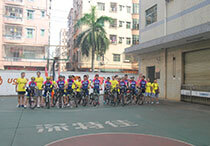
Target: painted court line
x: 78, y: 136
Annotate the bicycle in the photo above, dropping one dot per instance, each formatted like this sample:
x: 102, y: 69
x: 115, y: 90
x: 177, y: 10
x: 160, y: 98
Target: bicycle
x: 84, y: 97
x: 94, y: 98
x: 32, y: 98
x: 59, y: 97
x: 140, y: 97
x: 48, y: 97
x: 72, y: 97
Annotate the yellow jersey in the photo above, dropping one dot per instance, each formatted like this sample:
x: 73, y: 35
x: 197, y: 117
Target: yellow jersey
x: 21, y: 82
x: 155, y: 87
x: 148, y: 87
x: 114, y: 83
x: 79, y: 84
x: 39, y: 81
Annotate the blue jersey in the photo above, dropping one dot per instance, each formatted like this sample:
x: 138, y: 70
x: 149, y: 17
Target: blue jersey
x: 96, y: 83
x: 123, y: 84
x: 108, y: 84
x: 85, y: 84
x: 133, y: 84
x: 70, y: 83
x: 143, y: 84
x: 61, y: 84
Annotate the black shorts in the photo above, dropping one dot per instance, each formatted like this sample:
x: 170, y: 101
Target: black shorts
x: 22, y: 93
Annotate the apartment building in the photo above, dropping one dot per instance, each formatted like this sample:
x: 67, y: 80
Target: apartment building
x: 124, y: 32
x: 24, y: 27
x: 175, y: 47
x: 61, y: 50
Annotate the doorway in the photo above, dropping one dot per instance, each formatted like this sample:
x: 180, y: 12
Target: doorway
x: 151, y: 73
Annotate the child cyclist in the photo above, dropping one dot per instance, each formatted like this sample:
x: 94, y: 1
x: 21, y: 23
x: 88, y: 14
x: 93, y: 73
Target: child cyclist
x: 61, y: 84
x: 148, y: 91
x: 85, y: 86
x: 78, y: 85
x: 155, y: 92
x: 48, y: 87
x: 107, y: 88
x: 32, y: 86
x: 142, y: 85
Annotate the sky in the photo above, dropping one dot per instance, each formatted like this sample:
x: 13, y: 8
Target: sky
x: 59, y: 14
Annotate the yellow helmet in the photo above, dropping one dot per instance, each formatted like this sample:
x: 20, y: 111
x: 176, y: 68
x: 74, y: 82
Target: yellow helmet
x: 48, y: 78
x: 32, y: 78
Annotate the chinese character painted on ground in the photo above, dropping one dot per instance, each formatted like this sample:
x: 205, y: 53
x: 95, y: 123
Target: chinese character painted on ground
x: 88, y: 125
x: 52, y: 127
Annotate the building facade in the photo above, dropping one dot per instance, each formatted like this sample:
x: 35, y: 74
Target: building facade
x: 124, y: 32
x: 61, y: 50
x: 24, y: 27
x: 175, y: 47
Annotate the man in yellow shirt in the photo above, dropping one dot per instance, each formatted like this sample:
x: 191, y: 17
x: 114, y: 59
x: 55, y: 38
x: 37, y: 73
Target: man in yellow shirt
x: 21, y: 88
x: 39, y: 80
x: 155, y: 91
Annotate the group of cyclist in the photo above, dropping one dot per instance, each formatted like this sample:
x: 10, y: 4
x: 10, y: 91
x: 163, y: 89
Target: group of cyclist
x: 78, y: 87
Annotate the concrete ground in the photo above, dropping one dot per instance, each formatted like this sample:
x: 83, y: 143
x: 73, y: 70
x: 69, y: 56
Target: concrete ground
x: 185, y: 122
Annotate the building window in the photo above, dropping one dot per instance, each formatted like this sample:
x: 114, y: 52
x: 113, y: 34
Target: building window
x: 128, y: 9
x: 135, y: 8
x: 128, y: 41
x: 13, y: 12
x: 128, y: 25
x: 120, y: 40
x: 120, y: 23
x: 13, y: 32
x: 135, y: 39
x: 113, y: 24
x: 101, y: 6
x: 30, y: 14
x: 136, y: 24
x: 113, y: 7
x: 116, y: 57
x: 113, y: 39
x: 121, y: 7
x: 42, y: 32
x: 151, y: 15
x: 43, y: 13
x: 30, y: 33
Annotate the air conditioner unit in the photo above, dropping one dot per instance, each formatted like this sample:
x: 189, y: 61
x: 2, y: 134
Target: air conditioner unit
x: 127, y: 61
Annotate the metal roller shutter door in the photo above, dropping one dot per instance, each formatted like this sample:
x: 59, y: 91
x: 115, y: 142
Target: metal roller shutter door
x: 197, y: 67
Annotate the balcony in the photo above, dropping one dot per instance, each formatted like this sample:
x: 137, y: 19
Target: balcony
x: 13, y: 15
x: 12, y: 34
x: 14, y: 2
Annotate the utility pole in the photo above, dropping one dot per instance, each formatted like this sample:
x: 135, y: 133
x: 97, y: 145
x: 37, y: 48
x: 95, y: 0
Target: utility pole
x: 48, y: 51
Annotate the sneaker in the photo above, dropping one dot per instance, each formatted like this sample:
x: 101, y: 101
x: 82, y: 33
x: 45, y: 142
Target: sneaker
x: 146, y: 102
x: 38, y: 106
x: 18, y: 106
x: 25, y: 106
x: 68, y: 105
x: 157, y: 102
x: 152, y: 102
x: 22, y: 105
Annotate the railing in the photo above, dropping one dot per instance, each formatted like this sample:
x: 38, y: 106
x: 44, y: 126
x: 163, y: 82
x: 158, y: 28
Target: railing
x: 24, y: 59
x: 13, y: 17
x: 13, y: 37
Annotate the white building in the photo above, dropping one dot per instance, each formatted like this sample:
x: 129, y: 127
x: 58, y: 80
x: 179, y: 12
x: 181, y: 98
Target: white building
x: 123, y: 33
x: 175, y: 47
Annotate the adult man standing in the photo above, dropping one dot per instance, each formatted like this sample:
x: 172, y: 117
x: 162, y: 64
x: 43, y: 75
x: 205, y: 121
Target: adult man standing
x: 39, y: 80
x: 21, y: 89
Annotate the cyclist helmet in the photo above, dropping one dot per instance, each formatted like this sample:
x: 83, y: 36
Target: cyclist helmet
x: 132, y: 77
x: 48, y: 78
x: 32, y: 78
x: 60, y: 76
x: 70, y: 76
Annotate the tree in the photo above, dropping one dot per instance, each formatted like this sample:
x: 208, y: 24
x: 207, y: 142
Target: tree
x: 94, y: 38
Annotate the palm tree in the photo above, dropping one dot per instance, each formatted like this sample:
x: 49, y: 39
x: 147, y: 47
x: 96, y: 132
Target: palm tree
x: 94, y: 38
